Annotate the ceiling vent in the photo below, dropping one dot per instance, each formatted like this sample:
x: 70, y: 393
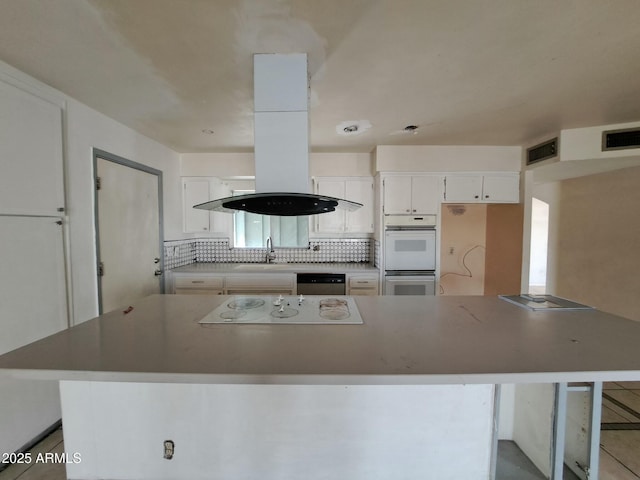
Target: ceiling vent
x: 621, y: 139
x: 542, y: 151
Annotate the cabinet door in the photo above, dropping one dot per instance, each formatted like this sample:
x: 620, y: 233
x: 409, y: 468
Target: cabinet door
x: 361, y: 191
x: 31, y: 153
x: 425, y: 194
x: 333, y: 222
x: 362, y: 285
x: 463, y: 189
x: 220, y: 222
x: 501, y: 189
x: 193, y: 193
x: 397, y: 195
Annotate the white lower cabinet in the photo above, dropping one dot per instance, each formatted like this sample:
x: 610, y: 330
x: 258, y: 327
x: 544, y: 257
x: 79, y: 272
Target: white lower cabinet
x: 362, y: 285
x: 198, y: 284
x: 240, y: 284
x: 260, y: 284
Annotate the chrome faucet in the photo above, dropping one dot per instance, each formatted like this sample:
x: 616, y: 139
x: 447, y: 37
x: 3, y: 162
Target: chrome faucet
x: 271, y: 253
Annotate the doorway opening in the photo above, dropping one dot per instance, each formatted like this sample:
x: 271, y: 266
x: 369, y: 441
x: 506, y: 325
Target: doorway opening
x: 539, y: 242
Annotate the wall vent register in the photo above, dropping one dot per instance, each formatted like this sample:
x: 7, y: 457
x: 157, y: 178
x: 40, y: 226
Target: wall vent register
x: 621, y: 139
x: 542, y: 151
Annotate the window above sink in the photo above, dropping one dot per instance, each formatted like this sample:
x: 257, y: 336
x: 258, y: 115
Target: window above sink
x: 251, y: 230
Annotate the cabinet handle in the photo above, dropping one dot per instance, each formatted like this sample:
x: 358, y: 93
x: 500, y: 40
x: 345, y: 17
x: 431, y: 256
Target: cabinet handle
x: 414, y: 210
x: 407, y: 210
x: 486, y: 196
x: 197, y: 281
x: 476, y: 196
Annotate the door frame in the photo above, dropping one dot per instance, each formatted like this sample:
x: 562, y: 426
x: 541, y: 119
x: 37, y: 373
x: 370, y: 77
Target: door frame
x: 97, y: 153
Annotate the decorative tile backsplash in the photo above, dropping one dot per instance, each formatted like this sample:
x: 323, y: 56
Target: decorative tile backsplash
x: 376, y: 254
x: 178, y: 253
x: 184, y: 252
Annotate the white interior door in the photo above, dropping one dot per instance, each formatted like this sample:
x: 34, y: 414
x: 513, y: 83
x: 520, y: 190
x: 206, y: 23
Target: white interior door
x: 129, y: 232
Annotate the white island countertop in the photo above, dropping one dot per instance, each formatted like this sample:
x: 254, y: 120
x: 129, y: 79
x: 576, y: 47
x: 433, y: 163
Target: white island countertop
x: 403, y: 340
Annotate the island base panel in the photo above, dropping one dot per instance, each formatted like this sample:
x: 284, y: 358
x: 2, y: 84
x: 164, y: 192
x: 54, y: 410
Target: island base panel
x: 277, y: 431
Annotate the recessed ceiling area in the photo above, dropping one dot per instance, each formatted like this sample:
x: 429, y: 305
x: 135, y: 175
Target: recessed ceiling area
x: 497, y: 72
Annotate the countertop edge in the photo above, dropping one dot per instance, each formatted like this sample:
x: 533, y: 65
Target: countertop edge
x: 322, y: 379
x: 239, y: 268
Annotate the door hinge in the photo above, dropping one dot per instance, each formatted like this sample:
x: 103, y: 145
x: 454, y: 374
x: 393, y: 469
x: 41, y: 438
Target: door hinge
x: 98, y: 183
x: 100, y: 269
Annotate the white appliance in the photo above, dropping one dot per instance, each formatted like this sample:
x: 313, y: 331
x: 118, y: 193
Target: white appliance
x: 284, y: 309
x: 410, y: 242
x: 281, y: 143
x: 410, y: 284
x: 410, y: 255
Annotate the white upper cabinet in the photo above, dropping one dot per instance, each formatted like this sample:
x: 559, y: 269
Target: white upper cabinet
x: 357, y: 189
x: 361, y: 191
x: 501, y: 188
x: 492, y: 188
x: 411, y: 194
x: 463, y: 188
x: 31, y: 154
x: 197, y: 190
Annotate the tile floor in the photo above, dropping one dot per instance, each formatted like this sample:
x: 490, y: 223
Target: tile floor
x: 619, y: 445
x: 39, y: 471
x: 620, y: 433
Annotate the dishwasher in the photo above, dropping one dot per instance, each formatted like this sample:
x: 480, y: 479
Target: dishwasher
x: 321, y: 283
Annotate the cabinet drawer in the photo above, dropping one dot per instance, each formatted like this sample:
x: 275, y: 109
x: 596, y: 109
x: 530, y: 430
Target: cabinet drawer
x: 363, y: 285
x: 364, y: 291
x: 260, y: 282
x: 200, y: 282
x: 363, y: 282
x: 198, y: 291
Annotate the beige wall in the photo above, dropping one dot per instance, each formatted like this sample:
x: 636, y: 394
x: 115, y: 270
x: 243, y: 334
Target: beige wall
x: 225, y: 165
x: 481, y: 249
x: 446, y: 158
x: 462, y: 251
x: 597, y: 250
x: 503, y: 257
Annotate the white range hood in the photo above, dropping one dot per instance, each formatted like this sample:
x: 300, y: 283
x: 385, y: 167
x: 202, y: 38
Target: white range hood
x: 281, y: 142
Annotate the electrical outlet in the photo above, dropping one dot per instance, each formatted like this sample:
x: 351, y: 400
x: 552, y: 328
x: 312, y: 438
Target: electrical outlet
x: 169, y: 448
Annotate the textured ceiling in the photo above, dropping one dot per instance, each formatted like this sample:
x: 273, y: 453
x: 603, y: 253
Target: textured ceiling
x: 467, y: 72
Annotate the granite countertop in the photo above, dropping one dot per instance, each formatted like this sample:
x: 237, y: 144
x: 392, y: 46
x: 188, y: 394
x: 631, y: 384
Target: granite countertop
x: 345, y: 267
x: 403, y: 340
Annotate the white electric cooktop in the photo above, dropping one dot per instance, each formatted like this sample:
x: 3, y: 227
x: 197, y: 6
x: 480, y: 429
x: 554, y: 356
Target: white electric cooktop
x: 313, y: 310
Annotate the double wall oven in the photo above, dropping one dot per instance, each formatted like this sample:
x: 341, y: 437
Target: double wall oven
x: 410, y: 255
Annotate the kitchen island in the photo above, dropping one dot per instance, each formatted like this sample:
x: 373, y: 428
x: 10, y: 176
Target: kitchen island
x: 409, y: 393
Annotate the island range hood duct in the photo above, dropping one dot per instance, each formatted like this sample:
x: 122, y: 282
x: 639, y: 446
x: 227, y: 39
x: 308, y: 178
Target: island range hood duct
x: 281, y: 144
